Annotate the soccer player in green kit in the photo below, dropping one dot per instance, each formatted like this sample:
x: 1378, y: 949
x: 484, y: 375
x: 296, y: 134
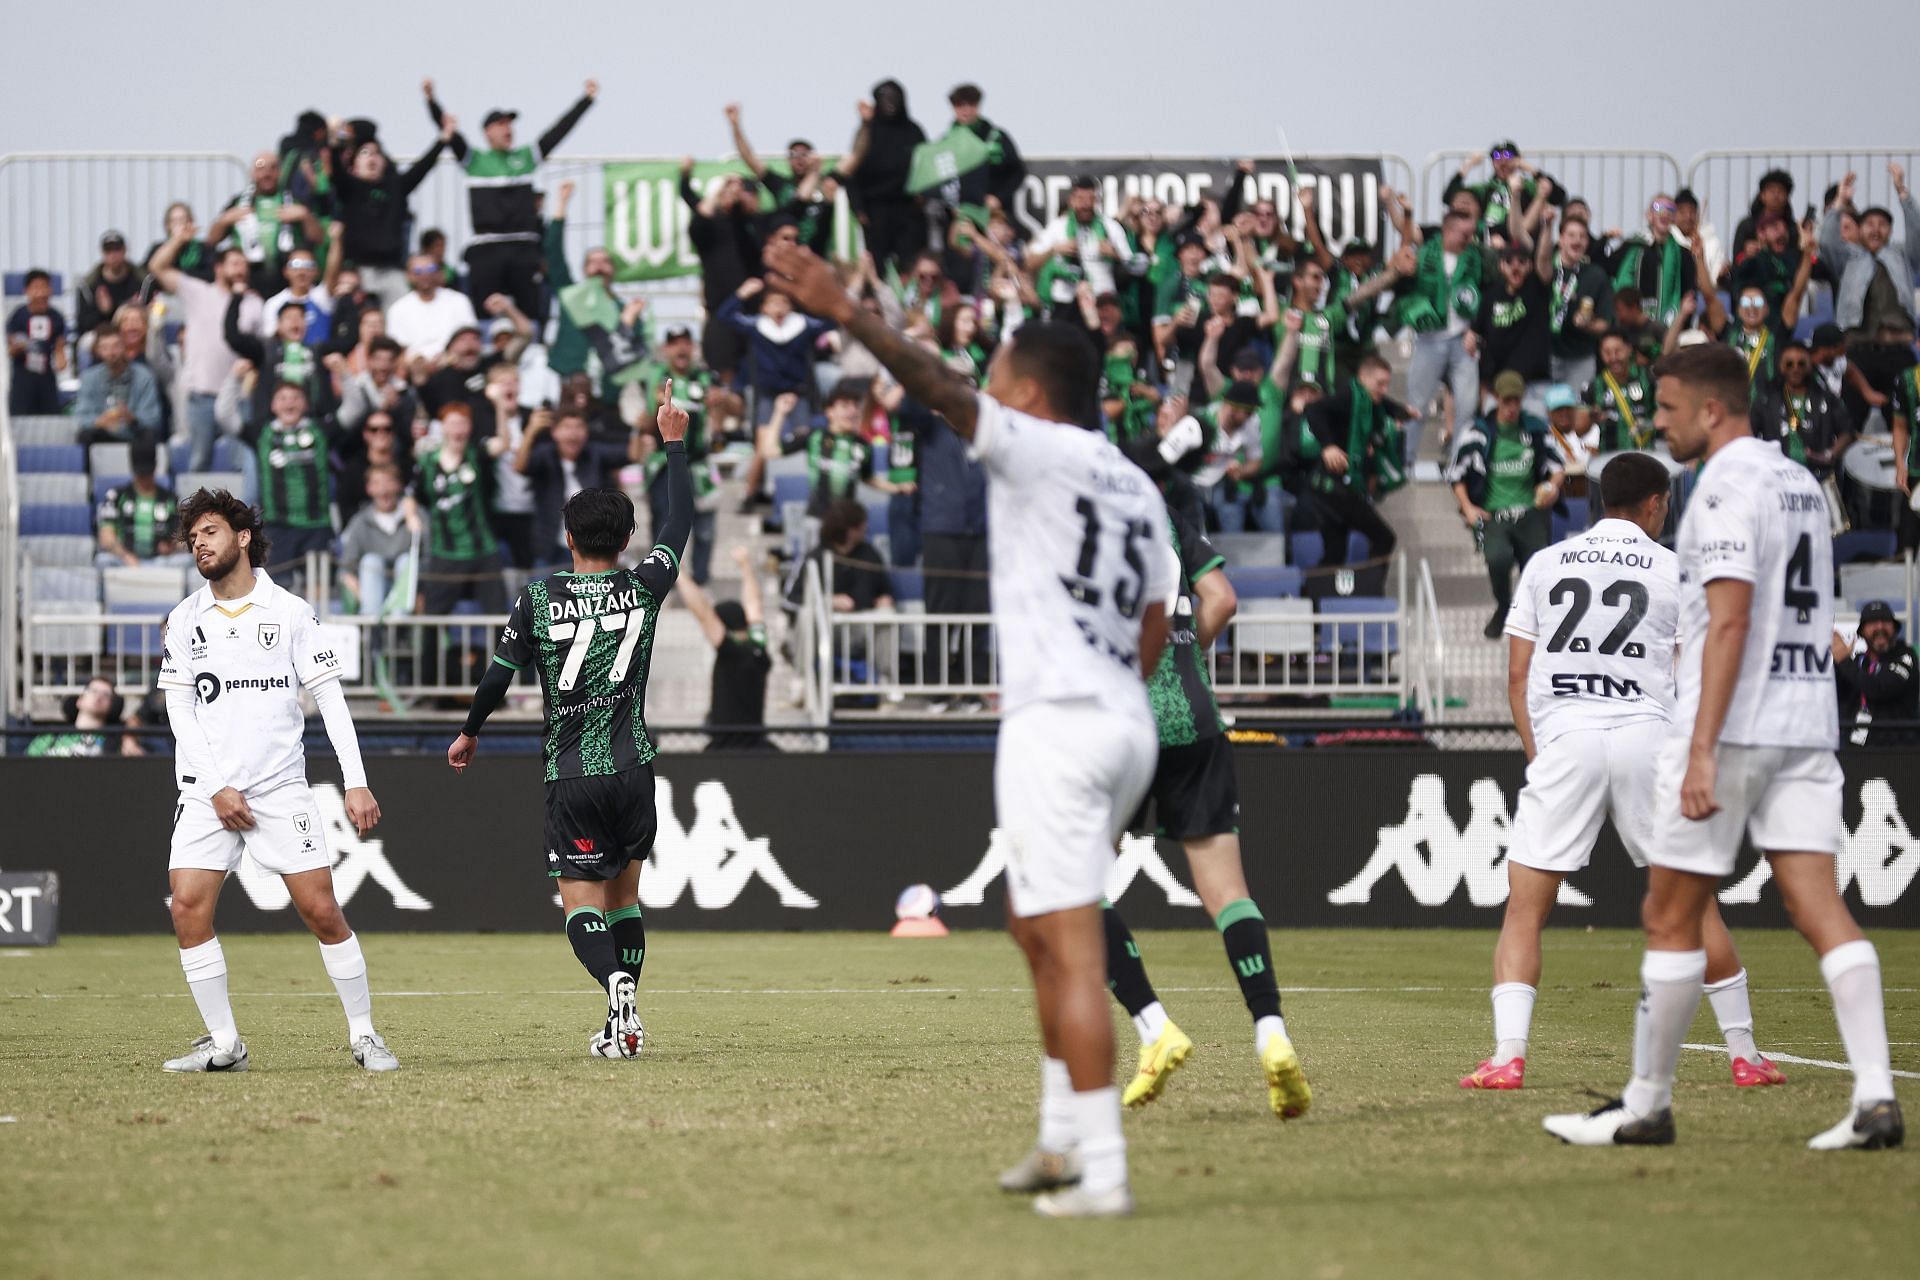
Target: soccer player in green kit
x: 590, y: 632
x: 1195, y: 799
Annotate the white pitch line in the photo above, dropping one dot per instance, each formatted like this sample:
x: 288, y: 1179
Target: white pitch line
x: 904, y: 989
x: 1828, y: 1063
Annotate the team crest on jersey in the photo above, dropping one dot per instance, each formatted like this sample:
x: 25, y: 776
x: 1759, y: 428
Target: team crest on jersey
x: 302, y: 823
x: 268, y: 634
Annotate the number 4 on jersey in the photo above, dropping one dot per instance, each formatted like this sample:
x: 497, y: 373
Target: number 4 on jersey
x: 582, y: 633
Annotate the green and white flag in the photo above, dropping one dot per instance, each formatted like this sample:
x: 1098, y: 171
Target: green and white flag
x: 955, y: 166
x: 647, y: 220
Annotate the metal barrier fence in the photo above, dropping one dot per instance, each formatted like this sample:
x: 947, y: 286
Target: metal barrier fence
x: 1616, y: 183
x: 12, y: 689
x: 1728, y: 181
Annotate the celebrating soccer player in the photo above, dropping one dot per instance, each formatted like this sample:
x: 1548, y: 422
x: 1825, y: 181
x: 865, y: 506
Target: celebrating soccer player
x: 1081, y: 574
x: 237, y: 653
x: 1752, y: 750
x: 1592, y: 703
x: 591, y: 632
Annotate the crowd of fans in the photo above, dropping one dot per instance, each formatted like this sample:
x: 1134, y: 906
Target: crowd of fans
x: 382, y: 390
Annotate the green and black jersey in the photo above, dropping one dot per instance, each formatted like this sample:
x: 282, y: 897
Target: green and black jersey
x: 1319, y: 331
x: 458, y: 501
x: 1906, y: 407
x: 591, y: 637
x: 500, y: 197
x: 294, y: 479
x: 1623, y: 408
x: 836, y: 464
x: 1181, y: 694
x: 1760, y: 348
x: 141, y: 521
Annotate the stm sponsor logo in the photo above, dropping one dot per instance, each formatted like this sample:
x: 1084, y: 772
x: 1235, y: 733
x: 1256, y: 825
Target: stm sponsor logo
x: 1575, y: 684
x: 1803, y: 660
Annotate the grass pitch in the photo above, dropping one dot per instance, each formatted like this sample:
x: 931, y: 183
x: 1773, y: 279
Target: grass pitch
x: 837, y: 1105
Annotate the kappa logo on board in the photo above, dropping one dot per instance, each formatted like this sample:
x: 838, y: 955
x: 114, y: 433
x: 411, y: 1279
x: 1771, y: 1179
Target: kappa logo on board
x: 356, y: 860
x: 1433, y: 856
x: 1880, y: 855
x: 1138, y: 856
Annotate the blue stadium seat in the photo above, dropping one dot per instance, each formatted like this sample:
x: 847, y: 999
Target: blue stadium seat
x: 52, y: 458
x: 134, y: 639
x: 877, y: 522
x: 1357, y: 546
x: 16, y: 283
x: 1575, y: 521
x: 1308, y: 549
x: 71, y: 519
x: 1265, y: 582
x: 43, y: 428
x: 1357, y: 637
x: 788, y: 488
x: 1864, y: 544
x: 102, y: 483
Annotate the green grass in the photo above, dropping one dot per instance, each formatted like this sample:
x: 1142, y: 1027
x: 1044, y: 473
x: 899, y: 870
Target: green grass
x: 835, y: 1105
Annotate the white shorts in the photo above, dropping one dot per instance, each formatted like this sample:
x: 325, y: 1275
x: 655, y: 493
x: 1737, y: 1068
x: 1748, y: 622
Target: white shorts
x: 1786, y: 798
x: 1575, y: 782
x: 286, y: 839
x: 1067, y: 777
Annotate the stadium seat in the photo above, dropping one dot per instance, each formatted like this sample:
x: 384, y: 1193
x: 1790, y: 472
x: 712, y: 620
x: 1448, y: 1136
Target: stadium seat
x: 65, y: 550
x: 53, y: 490
x: 65, y: 584
x: 1264, y: 582
x: 64, y: 589
x: 147, y: 586
x: 878, y: 525
x: 1285, y: 627
x: 136, y: 639
x: 71, y: 520
x: 51, y: 458
x: 189, y: 482
x: 1864, y: 544
x: 1251, y: 549
x: 1309, y: 548
x: 115, y: 459
x: 16, y: 283
x: 43, y: 429
x: 226, y: 455
x: 1367, y: 637
x: 102, y: 483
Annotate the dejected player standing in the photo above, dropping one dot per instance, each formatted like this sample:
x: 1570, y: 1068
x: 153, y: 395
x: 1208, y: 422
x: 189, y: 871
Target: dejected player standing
x: 590, y: 632
x: 1081, y: 573
x: 237, y: 653
x: 1752, y: 750
x: 1590, y: 651
x: 1195, y: 799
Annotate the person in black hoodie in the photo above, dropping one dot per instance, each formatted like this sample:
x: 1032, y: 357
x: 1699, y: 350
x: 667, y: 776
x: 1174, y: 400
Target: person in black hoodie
x: 720, y: 226
x: 876, y: 173
x: 370, y: 195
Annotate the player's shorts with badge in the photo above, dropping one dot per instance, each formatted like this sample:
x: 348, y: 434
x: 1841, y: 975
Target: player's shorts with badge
x: 1787, y: 799
x: 596, y: 826
x: 286, y: 838
x: 1575, y: 782
x: 1194, y: 793
x: 1066, y: 777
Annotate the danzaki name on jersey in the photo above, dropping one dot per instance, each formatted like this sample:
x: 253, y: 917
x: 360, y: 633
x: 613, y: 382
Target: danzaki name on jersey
x: 616, y: 602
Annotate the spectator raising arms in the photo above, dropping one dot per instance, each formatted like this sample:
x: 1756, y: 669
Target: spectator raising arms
x: 503, y: 253
x: 804, y: 194
x: 737, y: 631
x: 1876, y: 276
x: 372, y: 195
x: 207, y: 359
x: 266, y: 226
x: 876, y: 171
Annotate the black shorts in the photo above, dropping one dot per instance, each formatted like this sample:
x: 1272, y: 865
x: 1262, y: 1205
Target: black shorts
x: 1194, y: 793
x: 596, y: 826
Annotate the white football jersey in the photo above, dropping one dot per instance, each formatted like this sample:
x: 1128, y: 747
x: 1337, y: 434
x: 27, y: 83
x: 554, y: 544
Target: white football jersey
x: 1078, y: 543
x: 245, y: 661
x: 1759, y: 517
x: 1603, y: 611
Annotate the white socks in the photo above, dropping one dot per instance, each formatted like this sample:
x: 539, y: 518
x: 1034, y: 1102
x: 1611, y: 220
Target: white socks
x: 1085, y: 1122
x: 1150, y: 1022
x: 1734, y: 1012
x: 206, y: 970
x: 348, y: 969
x: 1056, y: 1107
x: 1670, y: 983
x: 1512, y: 1021
x: 1852, y: 971
x: 1103, y: 1151
x: 1265, y: 1029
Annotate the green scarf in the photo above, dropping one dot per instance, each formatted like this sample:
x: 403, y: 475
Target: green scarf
x: 1435, y: 292
x: 1375, y: 445
x: 1668, y: 292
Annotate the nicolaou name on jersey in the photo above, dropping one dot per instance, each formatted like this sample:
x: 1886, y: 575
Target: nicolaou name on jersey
x: 614, y: 602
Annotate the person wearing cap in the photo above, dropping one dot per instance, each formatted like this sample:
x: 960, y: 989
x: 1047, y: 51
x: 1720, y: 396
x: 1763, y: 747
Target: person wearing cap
x: 737, y: 696
x: 1774, y: 195
x: 1809, y: 422
x: 1619, y: 399
x: 1657, y: 261
x: 1230, y: 453
x: 1580, y: 302
x: 1080, y: 243
x: 1506, y: 474
x: 805, y: 193
x: 1577, y: 435
x: 1879, y: 686
x: 112, y: 282
x: 1829, y: 347
x: 119, y: 399
x: 1356, y: 439
x: 503, y: 253
x: 1515, y: 321
x: 1876, y: 276
x: 1507, y: 194
x: 135, y: 522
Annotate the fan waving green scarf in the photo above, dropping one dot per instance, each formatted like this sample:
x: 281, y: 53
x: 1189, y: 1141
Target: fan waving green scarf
x: 1667, y: 295
x: 1435, y: 291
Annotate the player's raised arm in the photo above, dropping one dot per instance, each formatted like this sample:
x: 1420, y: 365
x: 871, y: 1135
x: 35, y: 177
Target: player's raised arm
x: 671, y: 420
x: 812, y: 284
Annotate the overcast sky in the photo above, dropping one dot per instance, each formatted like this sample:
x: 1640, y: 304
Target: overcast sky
x: 1114, y: 77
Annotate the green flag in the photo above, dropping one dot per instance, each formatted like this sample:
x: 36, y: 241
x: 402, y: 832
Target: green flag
x: 948, y: 158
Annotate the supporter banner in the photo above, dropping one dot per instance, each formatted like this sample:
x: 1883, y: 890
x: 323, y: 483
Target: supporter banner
x: 646, y: 227
x: 1417, y: 837
x: 1347, y: 189
x: 647, y: 220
